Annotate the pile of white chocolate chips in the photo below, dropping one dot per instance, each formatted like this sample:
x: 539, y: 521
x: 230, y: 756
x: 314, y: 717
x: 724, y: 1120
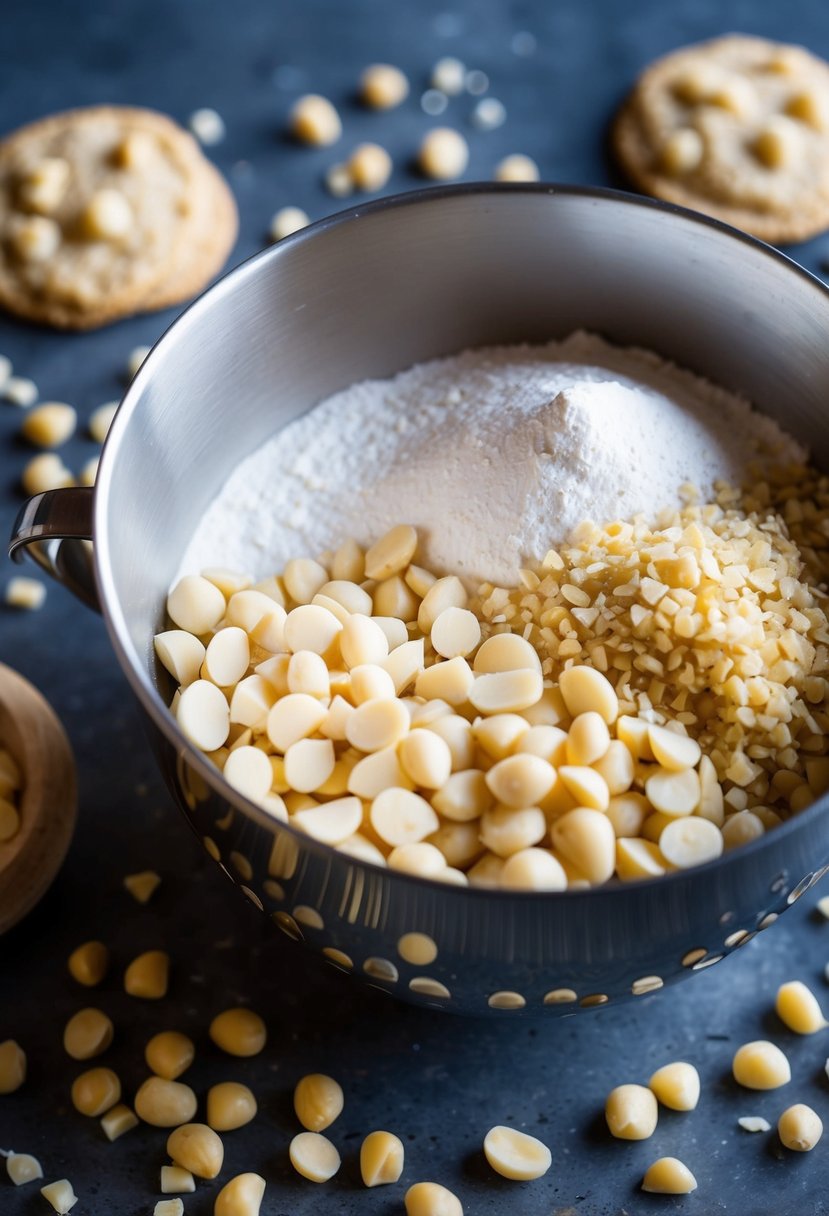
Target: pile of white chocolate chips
x: 649, y: 695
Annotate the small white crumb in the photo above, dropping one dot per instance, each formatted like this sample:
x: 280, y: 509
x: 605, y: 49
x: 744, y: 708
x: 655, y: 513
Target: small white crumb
x: 22, y: 1167
x: 823, y: 906
x: 136, y: 359
x: 286, y: 221
x: 20, y: 391
x: 523, y: 43
x: 449, y: 76
x: 488, y: 114
x: 476, y: 82
x: 338, y: 181
x: 25, y: 593
x: 754, y: 1123
x: 207, y: 126
x: 100, y: 420
x: 5, y: 370
x: 433, y: 102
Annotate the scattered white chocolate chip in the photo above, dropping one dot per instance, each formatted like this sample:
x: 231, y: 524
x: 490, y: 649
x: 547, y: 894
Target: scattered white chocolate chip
x: 25, y: 593
x: 631, y: 1112
x: 143, y: 885
x: 314, y: 120
x: 382, y: 86
x: 369, y: 167
x: 449, y: 76
x: 35, y: 238
x: 444, y: 154
x: 287, y: 221
x: 19, y: 391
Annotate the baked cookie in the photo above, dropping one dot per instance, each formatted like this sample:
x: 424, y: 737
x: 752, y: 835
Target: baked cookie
x: 105, y: 212
x: 738, y: 128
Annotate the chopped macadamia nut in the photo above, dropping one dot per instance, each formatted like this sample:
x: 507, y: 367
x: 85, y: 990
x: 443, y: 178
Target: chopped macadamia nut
x: 754, y: 1123
x: 118, y: 1121
x: 382, y: 86
x: 239, y: 1032
x: 318, y: 1101
x: 169, y: 1207
x: 44, y: 186
x: 241, y: 1196
x: 23, y: 1168
x: 287, y: 221
x: 798, y: 1008
x: 449, y: 76
x: 444, y: 154
x: 89, y: 472
x: 175, y: 1180
x: 314, y: 120
x: 631, y: 1112
x: 799, y: 1128
x: 197, y: 1148
x: 148, y: 975
x: 431, y: 1199
x: 761, y: 1065
x: 314, y: 1157
x: 19, y: 391
x: 514, y: 1154
x: 12, y: 1066
x: 142, y: 886
x: 369, y: 167
x: 668, y: 1176
x: 96, y: 1091
x: 108, y: 215
x: 207, y: 126
x: 88, y: 1033
x: 60, y: 1195
x: 22, y: 592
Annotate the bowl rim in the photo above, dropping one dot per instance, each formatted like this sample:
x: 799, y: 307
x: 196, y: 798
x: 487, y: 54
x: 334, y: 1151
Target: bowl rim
x: 148, y: 695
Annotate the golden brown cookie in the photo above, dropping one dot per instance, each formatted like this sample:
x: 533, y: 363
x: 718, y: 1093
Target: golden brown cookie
x: 738, y: 128
x: 104, y: 212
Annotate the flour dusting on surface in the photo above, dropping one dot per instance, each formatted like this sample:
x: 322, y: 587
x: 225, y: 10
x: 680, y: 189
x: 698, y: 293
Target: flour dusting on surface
x: 494, y: 454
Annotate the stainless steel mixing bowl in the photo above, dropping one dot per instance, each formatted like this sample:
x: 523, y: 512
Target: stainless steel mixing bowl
x: 367, y: 293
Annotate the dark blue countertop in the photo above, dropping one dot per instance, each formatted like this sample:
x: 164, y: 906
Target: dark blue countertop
x: 440, y: 1082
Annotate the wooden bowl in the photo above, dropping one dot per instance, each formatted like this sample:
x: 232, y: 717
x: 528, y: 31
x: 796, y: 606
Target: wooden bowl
x: 48, y: 801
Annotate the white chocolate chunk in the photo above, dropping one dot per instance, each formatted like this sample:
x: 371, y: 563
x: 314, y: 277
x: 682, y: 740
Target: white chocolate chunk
x: 377, y: 772
x: 505, y: 830
x: 799, y: 1128
x: 754, y: 1123
x: 419, y: 858
x: 464, y: 796
x: 514, y: 1154
x: 673, y: 751
x: 798, y: 1007
x: 251, y: 701
x: 314, y: 120
x: 307, y: 673
x: 101, y: 419
x: 760, y: 1065
x: 404, y: 664
x: 631, y: 1112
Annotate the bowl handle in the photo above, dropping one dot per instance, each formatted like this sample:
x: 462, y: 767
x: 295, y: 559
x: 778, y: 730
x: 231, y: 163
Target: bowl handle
x: 55, y: 528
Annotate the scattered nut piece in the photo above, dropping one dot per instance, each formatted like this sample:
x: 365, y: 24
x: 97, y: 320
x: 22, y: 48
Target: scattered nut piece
x: 45, y: 472
x: 101, y: 420
x: 96, y: 1091
x: 197, y: 1148
x: 444, y: 154
x: 22, y: 592
x: 314, y: 1157
x: 798, y: 1008
x: 286, y: 221
x: 242, y: 1196
x: 381, y: 1158
x: 631, y: 1112
x: 517, y: 168
x: 169, y: 1054
x: 338, y: 181
x: 87, y: 1033
x: 382, y: 87
x: 431, y: 1199
x: 823, y: 906
x: 682, y: 151
x: 514, y: 1154
x: 754, y: 1123
x: 489, y: 114
x: 45, y: 185
x: 760, y: 1065
x: 148, y: 975
x: 230, y: 1105
x: 318, y: 1101
x: 175, y: 1180
x: 668, y: 1176
x: 169, y: 1207
x: 60, y: 1195
x: 314, y: 120
x: 369, y: 167
x: 23, y: 1168
x: 676, y: 1086
x: 207, y: 126
x: 164, y: 1103
x: 239, y: 1032
x: 449, y: 76
x: 143, y: 885
x: 137, y: 357
x: 35, y: 238
x: 118, y: 1121
x: 49, y: 425
x: 799, y: 1128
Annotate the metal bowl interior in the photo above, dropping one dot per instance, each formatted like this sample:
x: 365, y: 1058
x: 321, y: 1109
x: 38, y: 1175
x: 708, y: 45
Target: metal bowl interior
x: 365, y: 294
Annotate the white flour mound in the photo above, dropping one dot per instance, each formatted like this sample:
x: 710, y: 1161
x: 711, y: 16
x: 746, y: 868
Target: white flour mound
x: 494, y: 454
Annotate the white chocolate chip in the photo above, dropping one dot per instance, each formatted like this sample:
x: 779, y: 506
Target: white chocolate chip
x: 35, y: 238
x: 108, y: 215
